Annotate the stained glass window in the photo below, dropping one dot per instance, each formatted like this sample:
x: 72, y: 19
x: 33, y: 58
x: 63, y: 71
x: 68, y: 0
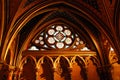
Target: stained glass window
x: 57, y: 37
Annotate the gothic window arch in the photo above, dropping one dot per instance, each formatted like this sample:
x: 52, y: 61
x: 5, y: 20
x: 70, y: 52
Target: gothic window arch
x: 58, y: 37
x: 62, y: 44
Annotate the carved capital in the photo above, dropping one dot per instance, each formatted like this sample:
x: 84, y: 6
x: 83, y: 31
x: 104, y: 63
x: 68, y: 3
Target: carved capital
x: 11, y: 68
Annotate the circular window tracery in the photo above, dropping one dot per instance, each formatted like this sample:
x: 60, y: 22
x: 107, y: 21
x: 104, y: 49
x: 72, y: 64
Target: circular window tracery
x: 58, y: 37
x: 51, y: 31
x: 67, y: 32
x: 51, y: 40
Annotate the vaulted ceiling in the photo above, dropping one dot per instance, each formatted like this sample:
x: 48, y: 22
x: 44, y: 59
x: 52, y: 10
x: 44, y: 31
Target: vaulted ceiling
x: 21, y: 20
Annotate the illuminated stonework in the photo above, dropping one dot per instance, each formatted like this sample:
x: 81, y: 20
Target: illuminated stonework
x: 59, y: 37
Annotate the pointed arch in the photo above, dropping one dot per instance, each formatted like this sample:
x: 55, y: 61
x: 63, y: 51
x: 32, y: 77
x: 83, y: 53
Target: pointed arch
x: 95, y: 61
x: 81, y: 59
x: 41, y: 60
x: 45, y: 67
x: 22, y: 62
x: 57, y: 60
x: 81, y: 62
x: 29, y: 15
x: 78, y: 57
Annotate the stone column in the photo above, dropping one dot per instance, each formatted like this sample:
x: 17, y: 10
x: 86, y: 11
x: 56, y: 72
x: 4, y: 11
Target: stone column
x: 104, y: 72
x: 37, y: 74
x: 105, y: 68
x: 11, y: 71
x: 17, y: 74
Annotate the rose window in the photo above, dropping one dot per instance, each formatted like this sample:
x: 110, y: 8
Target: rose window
x: 57, y: 37
x: 60, y: 36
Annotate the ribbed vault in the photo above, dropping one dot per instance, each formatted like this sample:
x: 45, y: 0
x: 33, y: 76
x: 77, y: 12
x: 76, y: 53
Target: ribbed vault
x: 34, y: 16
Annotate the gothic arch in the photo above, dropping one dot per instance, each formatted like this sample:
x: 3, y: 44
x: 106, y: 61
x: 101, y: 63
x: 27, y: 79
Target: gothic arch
x: 30, y: 14
x: 96, y: 23
x: 95, y: 61
x: 83, y: 65
x: 22, y: 62
x: 41, y: 60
